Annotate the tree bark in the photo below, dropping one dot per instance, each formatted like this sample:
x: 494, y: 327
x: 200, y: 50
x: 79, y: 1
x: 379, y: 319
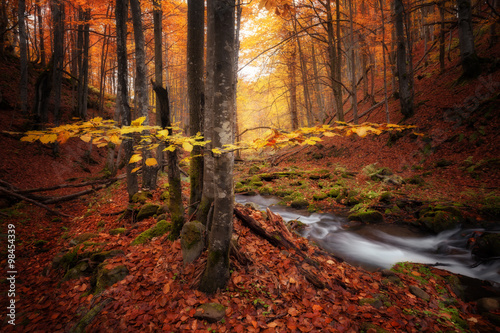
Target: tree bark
x: 216, y: 272
x: 292, y: 74
x: 405, y: 89
x: 57, y: 8
x: 353, y: 66
x: 23, y: 83
x: 83, y: 76
x: 470, y: 61
x: 121, y: 13
x: 195, y: 43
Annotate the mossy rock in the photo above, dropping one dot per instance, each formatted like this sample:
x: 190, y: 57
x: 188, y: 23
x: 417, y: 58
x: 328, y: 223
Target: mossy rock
x: 334, y: 192
x: 238, y: 185
x: 165, y: 195
x: 368, y: 216
x: 161, y: 217
x: 283, y: 192
x: 146, y: 211
x: 415, y: 180
x: 265, y: 190
x: 162, y: 210
x: 192, y: 241
x: 257, y: 184
x: 161, y: 228
x: 82, y: 238
x: 255, y: 178
x: 117, y: 231
x: 253, y: 169
x: 386, y: 197
x: 321, y: 174
x: 299, y: 203
x: 82, y: 269
x: 320, y: 196
x: 491, y: 207
x: 141, y: 197
x: 108, y: 277
x: 269, y: 176
x: 487, y: 246
x: 440, y: 218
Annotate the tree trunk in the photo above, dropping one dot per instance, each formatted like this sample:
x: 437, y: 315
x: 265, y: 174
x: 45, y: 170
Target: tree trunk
x: 208, y: 193
x: 292, y: 74
x: 405, y: 89
x: 471, y: 65
x: 149, y: 173
x: 43, y: 55
x: 23, y: 83
x: 334, y: 59
x: 121, y: 13
x: 338, y: 68
x: 216, y: 273
x: 441, y: 36
x: 319, y: 89
x: 83, y: 77
x: 157, y: 29
x: 175, y: 205
x: 57, y: 8
x: 195, y: 43
x: 385, y: 64
x: 353, y: 67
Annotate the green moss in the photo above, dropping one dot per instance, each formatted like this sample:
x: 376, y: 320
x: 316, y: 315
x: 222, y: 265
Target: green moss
x: 299, y: 203
x: 368, y: 216
x: 266, y: 190
x: 165, y: 195
x: 107, y: 277
x: 159, y: 229
x: 82, y: 238
x: 439, y: 218
x: 141, y: 197
x: 320, y: 196
x: 257, y: 184
x: 117, y: 231
x: 146, y: 211
x: 335, y: 191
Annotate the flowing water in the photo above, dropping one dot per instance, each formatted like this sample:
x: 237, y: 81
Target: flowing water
x: 382, y: 245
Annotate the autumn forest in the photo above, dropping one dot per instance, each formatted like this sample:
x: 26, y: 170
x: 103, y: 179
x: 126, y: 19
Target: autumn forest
x: 248, y: 166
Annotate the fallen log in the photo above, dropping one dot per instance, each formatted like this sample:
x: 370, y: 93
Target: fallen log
x: 22, y: 197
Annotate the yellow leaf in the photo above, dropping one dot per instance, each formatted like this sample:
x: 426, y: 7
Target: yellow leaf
x: 48, y: 138
x: 329, y: 134
x: 135, y: 158
x: 62, y: 137
x: 135, y: 169
x: 151, y: 162
x: 216, y: 151
x: 115, y: 139
x: 138, y: 121
x: 170, y: 148
x: 361, y: 131
x: 187, y: 146
x: 30, y: 138
x: 86, y: 137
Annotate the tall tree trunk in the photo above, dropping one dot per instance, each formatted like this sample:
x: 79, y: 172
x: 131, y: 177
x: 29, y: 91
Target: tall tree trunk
x: 57, y: 8
x: 386, y: 102
x: 239, y: 10
x: 338, y: 68
x: 195, y: 43
x: 149, y: 173
x: 43, y: 55
x: 441, y: 36
x: 292, y: 74
x: 405, y: 89
x: 353, y: 67
x: 158, y: 57
x: 208, y: 193
x: 471, y: 65
x: 319, y: 88
x: 216, y: 273
x: 83, y: 77
x: 104, y: 60
x: 334, y: 59
x: 121, y: 14
x: 175, y: 205
x: 23, y: 83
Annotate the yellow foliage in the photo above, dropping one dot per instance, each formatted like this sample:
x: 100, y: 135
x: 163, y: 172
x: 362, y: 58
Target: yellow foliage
x: 151, y: 162
x: 135, y: 158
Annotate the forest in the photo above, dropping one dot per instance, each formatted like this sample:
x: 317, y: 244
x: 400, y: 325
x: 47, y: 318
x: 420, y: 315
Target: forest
x: 250, y: 166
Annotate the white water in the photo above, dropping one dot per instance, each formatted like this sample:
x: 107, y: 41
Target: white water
x: 381, y: 246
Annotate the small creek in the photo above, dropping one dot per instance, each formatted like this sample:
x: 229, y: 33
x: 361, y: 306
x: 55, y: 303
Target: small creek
x: 382, y: 245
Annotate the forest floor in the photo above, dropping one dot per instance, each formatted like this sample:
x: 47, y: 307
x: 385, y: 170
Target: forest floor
x: 455, y: 162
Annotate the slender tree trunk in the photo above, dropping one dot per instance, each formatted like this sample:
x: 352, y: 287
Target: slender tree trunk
x: 386, y: 103
x: 353, y: 67
x: 23, y: 83
x: 121, y: 13
x: 43, y: 55
x: 208, y: 193
x: 239, y: 10
x: 471, y: 65
x: 292, y: 74
x: 157, y: 30
x: 319, y: 89
x: 57, y: 8
x: 334, y: 60
x: 104, y: 60
x: 441, y: 37
x: 405, y: 90
x: 83, y: 77
x: 216, y: 273
x: 338, y: 68
x: 195, y: 37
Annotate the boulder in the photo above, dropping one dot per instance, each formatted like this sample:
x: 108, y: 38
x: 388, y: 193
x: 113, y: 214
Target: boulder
x: 147, y: 211
x: 159, y: 229
x: 487, y: 246
x: 440, y: 218
x: 192, y: 241
x: 108, y: 277
x: 211, y: 312
x: 368, y: 216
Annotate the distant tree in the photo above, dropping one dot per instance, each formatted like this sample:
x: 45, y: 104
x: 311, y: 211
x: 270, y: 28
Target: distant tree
x: 83, y: 62
x: 23, y: 84
x: 216, y: 272
x: 470, y: 61
x: 57, y: 9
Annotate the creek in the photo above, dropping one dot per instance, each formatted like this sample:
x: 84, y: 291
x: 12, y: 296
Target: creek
x: 382, y: 245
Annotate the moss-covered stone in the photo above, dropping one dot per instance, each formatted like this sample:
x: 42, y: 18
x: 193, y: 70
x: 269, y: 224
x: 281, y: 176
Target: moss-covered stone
x: 192, y: 241
x: 334, y: 192
x: 320, y: 196
x: 165, y: 195
x: 253, y: 169
x: 368, y: 216
x: 108, y: 277
x: 257, y: 184
x: 141, y: 197
x: 491, y: 207
x: 80, y: 270
x: 265, y: 190
x: 117, y: 231
x: 159, y: 229
x: 82, y: 238
x: 146, y: 211
x: 386, y: 197
x: 439, y: 218
x: 299, y: 204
